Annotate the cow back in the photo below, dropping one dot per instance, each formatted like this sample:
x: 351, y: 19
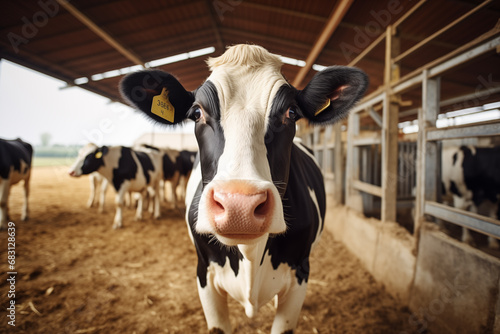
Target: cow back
x: 12, y: 152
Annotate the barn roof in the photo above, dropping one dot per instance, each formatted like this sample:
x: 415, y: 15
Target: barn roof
x: 93, y: 43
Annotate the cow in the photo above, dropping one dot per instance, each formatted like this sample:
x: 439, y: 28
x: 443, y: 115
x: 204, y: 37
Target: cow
x: 126, y: 169
x: 177, y: 167
x: 255, y: 200
x: 471, y: 176
x: 15, y: 165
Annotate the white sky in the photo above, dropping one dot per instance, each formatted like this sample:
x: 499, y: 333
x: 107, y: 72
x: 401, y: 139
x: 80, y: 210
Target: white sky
x: 32, y: 103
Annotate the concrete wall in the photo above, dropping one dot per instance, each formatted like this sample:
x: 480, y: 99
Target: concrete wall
x: 450, y: 287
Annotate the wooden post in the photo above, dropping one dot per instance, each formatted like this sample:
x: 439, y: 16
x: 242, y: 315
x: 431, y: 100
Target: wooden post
x: 338, y: 164
x: 315, y: 146
x: 326, y: 165
x: 389, y: 159
x: 427, y: 151
x: 390, y: 130
x: 327, y: 161
x: 353, y: 196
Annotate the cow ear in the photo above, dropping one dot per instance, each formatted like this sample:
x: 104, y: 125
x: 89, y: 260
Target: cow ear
x: 158, y: 94
x: 99, y: 152
x: 330, y: 94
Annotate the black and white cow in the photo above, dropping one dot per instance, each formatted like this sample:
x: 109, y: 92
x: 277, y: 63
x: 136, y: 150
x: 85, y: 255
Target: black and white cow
x: 126, y: 169
x: 15, y: 165
x: 256, y: 199
x: 472, y: 176
x: 176, y: 167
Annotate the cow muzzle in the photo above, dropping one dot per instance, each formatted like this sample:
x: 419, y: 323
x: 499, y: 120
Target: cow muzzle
x: 240, y: 210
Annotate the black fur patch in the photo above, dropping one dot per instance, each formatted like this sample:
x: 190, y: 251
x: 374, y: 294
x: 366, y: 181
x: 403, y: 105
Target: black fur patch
x: 209, y: 133
x: 126, y: 170
x: 186, y: 161
x: 146, y: 163
x: 11, y: 154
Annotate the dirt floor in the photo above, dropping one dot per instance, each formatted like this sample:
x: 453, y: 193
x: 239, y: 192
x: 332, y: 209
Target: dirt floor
x: 77, y: 275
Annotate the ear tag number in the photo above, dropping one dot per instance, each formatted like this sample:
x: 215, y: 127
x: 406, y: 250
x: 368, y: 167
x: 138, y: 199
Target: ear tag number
x: 326, y: 105
x: 162, y: 107
x: 98, y: 155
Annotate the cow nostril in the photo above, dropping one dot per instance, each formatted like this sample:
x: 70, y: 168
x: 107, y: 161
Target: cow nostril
x: 262, y: 209
x: 217, y: 206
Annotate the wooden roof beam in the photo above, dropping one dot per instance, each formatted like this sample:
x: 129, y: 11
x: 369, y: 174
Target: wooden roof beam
x: 101, y: 33
x: 336, y: 16
x: 215, y: 27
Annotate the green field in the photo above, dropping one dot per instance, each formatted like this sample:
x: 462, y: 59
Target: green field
x: 52, y: 161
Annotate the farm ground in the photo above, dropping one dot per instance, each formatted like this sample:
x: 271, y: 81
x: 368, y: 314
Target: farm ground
x: 77, y: 275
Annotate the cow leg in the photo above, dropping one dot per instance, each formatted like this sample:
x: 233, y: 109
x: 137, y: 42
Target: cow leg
x: 175, y: 183
x: 156, y: 200
x: 493, y: 242
x: 25, y: 209
x: 119, y: 206
x: 102, y: 195
x: 288, y: 311
x: 183, y: 185
x: 152, y: 192
x: 162, y: 191
x: 167, y: 191
x: 466, y: 236
x: 170, y: 194
x: 4, y: 197
x: 465, y: 203
x: 93, y: 184
x: 215, y: 309
x: 140, y: 202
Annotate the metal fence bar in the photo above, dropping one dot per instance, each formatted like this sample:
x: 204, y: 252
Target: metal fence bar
x: 434, y: 134
x: 463, y: 218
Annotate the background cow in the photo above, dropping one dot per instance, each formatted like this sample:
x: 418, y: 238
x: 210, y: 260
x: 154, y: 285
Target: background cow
x: 127, y: 170
x: 256, y: 200
x: 176, y: 167
x: 471, y: 175
x: 15, y: 165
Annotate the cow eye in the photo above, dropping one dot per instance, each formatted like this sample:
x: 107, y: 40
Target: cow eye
x: 197, y: 114
x: 291, y: 114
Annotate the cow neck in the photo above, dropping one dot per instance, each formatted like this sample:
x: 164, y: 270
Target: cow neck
x: 252, y: 255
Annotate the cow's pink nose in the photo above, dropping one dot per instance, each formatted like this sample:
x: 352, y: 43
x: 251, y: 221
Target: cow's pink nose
x: 240, y: 213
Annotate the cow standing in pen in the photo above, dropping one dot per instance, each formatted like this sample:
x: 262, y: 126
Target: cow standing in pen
x: 472, y: 176
x: 256, y: 199
x: 15, y: 165
x: 126, y: 169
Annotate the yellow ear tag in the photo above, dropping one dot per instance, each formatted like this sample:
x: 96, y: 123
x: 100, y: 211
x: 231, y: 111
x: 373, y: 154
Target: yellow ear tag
x: 162, y: 107
x: 98, y: 155
x: 326, y: 105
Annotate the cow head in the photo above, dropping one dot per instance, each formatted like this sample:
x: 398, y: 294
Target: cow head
x: 245, y: 114
x: 90, y: 159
